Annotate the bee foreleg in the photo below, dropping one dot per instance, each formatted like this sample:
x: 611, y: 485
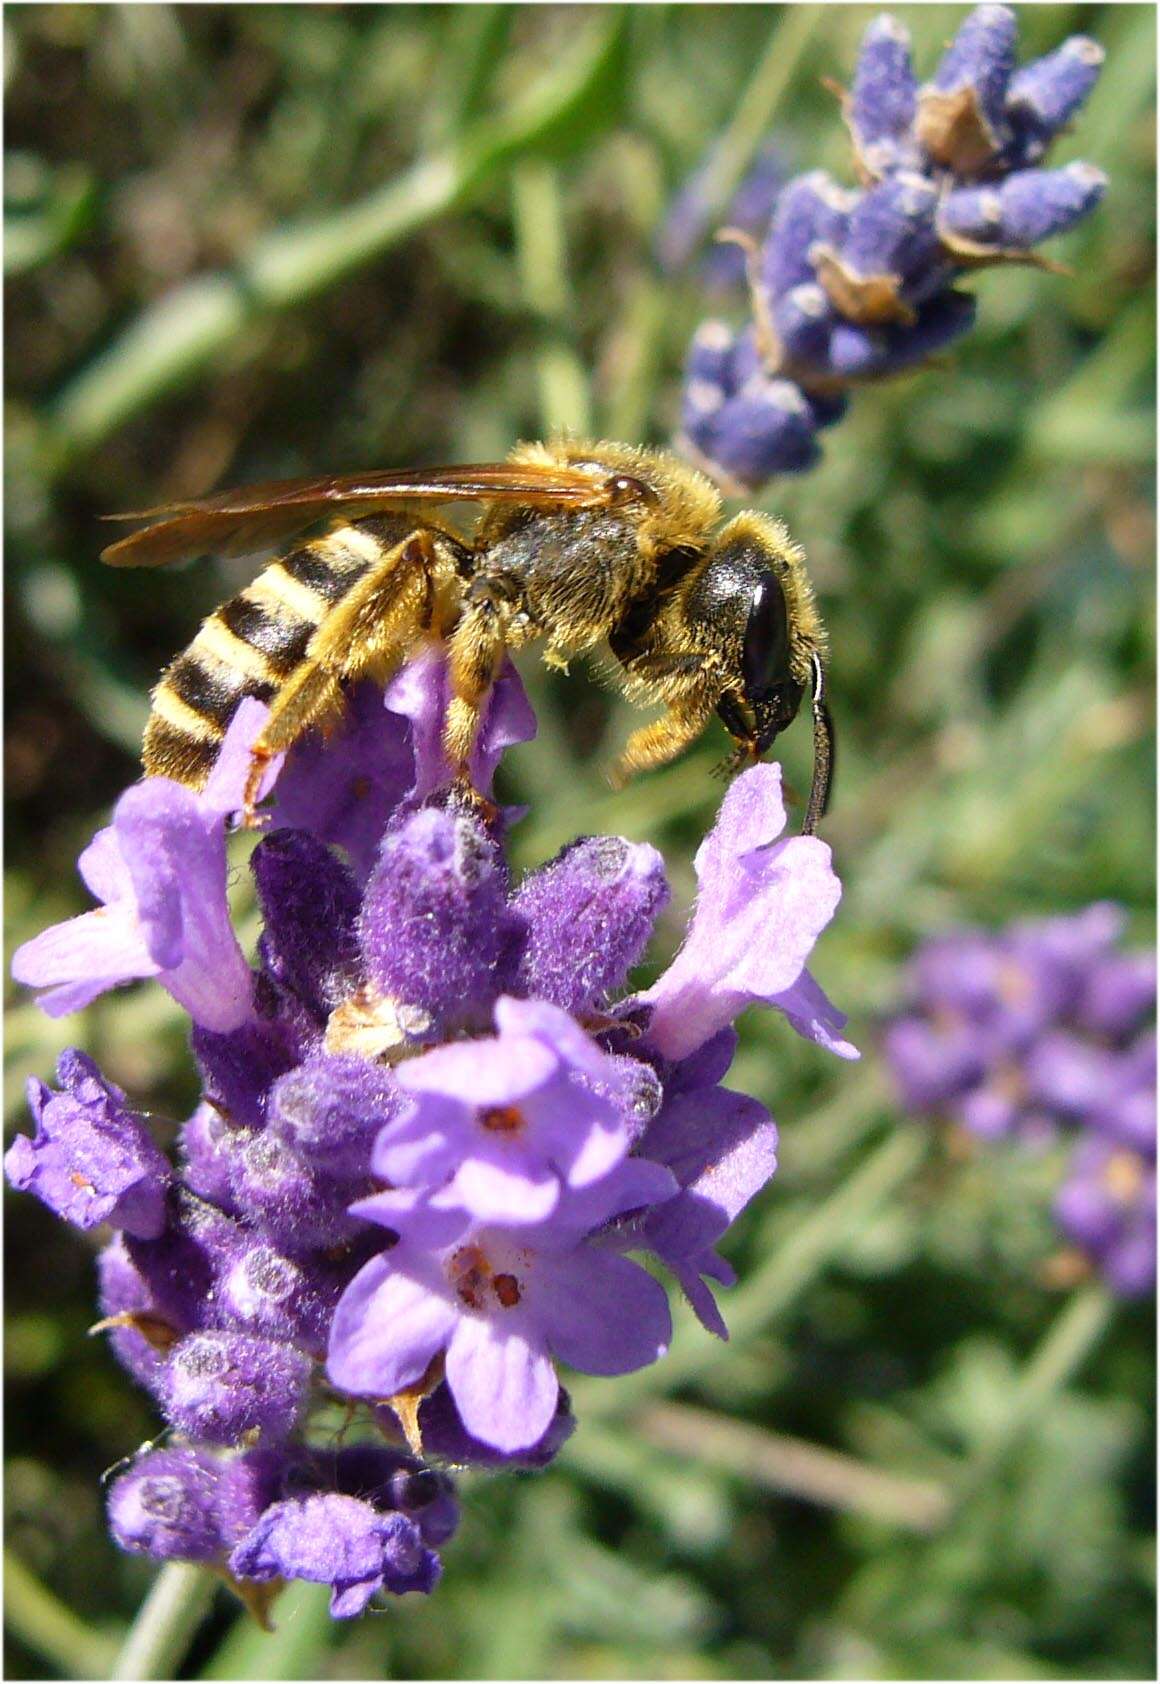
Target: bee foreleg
x: 663, y: 739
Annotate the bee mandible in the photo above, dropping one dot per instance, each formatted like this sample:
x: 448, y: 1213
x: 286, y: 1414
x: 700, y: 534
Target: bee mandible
x: 574, y: 543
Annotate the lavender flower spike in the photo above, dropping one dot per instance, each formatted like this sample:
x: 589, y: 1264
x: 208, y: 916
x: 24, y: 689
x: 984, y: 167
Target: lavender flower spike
x: 434, y: 1124
x: 853, y: 286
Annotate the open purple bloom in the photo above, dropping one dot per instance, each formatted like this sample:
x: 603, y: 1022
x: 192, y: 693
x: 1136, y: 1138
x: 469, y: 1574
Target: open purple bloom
x: 500, y: 1303
x: 160, y: 871
x: 761, y: 905
x: 503, y: 1125
x: 91, y: 1160
x: 420, y: 693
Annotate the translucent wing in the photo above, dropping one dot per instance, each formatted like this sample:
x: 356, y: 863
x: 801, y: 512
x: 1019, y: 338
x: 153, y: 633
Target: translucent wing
x: 239, y: 522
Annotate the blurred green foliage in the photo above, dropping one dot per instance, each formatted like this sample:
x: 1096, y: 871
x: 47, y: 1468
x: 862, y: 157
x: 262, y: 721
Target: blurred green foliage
x: 248, y: 242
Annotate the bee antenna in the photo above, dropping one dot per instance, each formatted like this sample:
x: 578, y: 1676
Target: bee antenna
x: 824, y: 750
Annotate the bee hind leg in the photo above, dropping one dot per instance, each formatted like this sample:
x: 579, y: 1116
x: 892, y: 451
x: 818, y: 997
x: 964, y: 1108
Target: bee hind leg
x: 476, y: 649
x: 368, y: 633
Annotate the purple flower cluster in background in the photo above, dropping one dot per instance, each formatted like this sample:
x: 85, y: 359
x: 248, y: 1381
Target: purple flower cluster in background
x: 1043, y: 1027
x: 434, y: 1130
x: 849, y: 285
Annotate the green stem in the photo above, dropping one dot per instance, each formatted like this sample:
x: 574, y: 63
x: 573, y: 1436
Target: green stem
x: 160, y: 1635
x: 541, y: 258
x: 752, y: 118
x: 1066, y: 1347
x: 44, y: 1625
x: 790, y: 1465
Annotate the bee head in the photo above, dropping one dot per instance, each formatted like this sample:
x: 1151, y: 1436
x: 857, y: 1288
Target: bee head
x: 755, y: 599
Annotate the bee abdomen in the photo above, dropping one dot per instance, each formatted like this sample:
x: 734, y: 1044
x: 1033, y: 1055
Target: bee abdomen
x: 248, y: 647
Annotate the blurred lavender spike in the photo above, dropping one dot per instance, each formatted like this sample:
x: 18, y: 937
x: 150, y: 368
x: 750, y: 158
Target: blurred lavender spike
x: 855, y: 285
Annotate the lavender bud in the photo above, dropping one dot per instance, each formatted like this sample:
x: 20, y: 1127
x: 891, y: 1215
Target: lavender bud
x: 331, y: 1109
x: 239, y: 1066
x: 298, y: 1205
x: 207, y: 1145
x: 961, y: 117
x: 164, y: 1506
x: 590, y: 914
x: 220, y: 1386
x: 122, y: 1288
x: 812, y: 209
x: 435, y: 928
x: 882, y: 99
x: 859, y: 352
x: 803, y: 319
x: 891, y: 230
x: 765, y: 430
x: 708, y: 369
x: 1046, y: 94
x: 1029, y: 206
x: 310, y: 905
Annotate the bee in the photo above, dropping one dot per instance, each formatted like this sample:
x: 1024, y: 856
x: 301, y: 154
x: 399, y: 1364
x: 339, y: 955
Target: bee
x: 573, y: 543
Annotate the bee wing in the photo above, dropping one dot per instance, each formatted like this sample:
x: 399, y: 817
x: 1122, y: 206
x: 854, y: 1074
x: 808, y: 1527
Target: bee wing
x: 239, y: 522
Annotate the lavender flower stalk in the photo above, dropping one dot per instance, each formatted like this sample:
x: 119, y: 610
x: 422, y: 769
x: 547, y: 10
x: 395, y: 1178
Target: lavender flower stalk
x: 850, y: 285
x: 436, y: 1133
x: 1044, y: 1029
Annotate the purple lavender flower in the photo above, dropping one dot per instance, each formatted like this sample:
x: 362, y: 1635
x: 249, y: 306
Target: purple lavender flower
x: 435, y: 1123
x: 1107, y: 1207
x: 91, y: 1160
x: 1039, y: 1029
x: 160, y: 872
x: 500, y: 1302
x: 855, y: 286
x: 504, y: 1125
x: 998, y: 1033
x: 341, y: 1542
x: 761, y: 905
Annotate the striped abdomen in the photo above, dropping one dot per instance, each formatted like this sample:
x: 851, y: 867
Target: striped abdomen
x: 252, y: 644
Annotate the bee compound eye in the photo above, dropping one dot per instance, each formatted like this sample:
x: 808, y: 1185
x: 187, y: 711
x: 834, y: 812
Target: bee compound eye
x: 765, y: 649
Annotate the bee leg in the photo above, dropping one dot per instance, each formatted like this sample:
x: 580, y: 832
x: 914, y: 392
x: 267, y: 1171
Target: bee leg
x: 476, y: 649
x: 369, y: 632
x: 312, y: 697
x: 664, y: 738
